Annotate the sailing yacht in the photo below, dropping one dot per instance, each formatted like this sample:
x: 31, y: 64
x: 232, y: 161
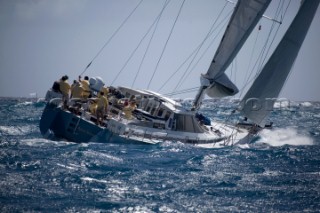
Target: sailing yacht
x: 158, y: 118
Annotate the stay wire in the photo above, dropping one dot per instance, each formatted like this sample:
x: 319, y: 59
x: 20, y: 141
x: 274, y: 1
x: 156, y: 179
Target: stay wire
x: 173, y: 74
x: 182, y: 91
x: 295, y: 60
x: 139, y: 69
x: 186, y: 73
x: 261, y: 57
x: 282, y: 16
x: 133, y: 52
x: 265, y: 50
x: 193, y: 52
x: 279, y: 9
x: 117, y: 30
x: 166, y: 44
x: 224, y: 22
x: 251, y: 58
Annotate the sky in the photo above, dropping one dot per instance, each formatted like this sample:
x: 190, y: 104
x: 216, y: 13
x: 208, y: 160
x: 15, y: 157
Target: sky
x: 41, y: 40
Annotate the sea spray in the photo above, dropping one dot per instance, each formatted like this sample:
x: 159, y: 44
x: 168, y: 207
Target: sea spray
x: 284, y: 136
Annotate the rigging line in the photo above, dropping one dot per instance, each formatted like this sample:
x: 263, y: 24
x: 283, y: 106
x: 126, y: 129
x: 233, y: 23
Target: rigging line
x: 261, y: 55
x: 225, y: 22
x: 165, y: 44
x: 133, y: 52
x: 295, y: 60
x: 182, y: 91
x: 250, y: 79
x: 117, y: 30
x: 189, y: 91
x: 195, y: 50
x: 260, y: 58
x: 277, y: 30
x: 139, y: 69
x: 282, y: 17
x: 177, y: 69
x: 268, y: 47
x: 186, y: 73
x: 279, y: 9
x: 251, y: 57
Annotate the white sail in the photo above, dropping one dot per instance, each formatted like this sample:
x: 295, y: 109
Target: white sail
x: 246, y: 15
x: 258, y: 101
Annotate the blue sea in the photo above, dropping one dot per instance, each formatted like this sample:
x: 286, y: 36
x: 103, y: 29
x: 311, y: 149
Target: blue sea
x: 278, y: 172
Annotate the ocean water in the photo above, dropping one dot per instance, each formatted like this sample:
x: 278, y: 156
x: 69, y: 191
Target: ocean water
x: 279, y: 172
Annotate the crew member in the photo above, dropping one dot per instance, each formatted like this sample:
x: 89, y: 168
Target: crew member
x: 77, y: 90
x: 65, y: 90
x: 102, y: 105
x: 105, y: 90
x: 128, y: 109
x: 86, y: 86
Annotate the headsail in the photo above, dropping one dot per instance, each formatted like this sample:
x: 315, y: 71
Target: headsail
x: 258, y: 101
x: 246, y: 15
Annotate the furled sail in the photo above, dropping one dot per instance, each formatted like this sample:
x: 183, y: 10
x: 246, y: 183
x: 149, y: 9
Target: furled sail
x: 246, y: 15
x: 258, y: 101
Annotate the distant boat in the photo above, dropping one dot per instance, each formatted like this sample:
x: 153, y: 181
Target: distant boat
x: 159, y: 118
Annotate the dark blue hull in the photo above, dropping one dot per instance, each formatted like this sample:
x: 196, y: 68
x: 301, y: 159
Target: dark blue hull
x: 71, y: 127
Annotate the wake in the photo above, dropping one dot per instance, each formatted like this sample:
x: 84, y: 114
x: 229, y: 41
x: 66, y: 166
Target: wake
x: 284, y: 136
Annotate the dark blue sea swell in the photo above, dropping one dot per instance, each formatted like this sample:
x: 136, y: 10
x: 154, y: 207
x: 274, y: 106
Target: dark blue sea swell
x: 40, y: 175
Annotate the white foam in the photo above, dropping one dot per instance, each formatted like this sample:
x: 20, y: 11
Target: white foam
x: 166, y: 209
x: 26, y: 103
x: 316, y: 115
x: 37, y: 142
x: 282, y: 104
x: 15, y: 130
x: 174, y: 150
x: 89, y: 179
x: 243, y: 146
x: 115, y: 189
x: 306, y: 104
x: 209, y: 160
x: 284, y: 136
x: 67, y: 167
x: 95, y: 154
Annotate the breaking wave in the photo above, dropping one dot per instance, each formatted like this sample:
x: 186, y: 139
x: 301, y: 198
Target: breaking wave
x: 278, y: 172
x: 284, y: 136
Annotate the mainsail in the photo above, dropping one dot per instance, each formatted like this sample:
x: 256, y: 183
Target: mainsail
x: 258, y: 101
x: 246, y: 15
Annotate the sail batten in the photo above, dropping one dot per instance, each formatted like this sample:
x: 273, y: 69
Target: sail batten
x: 267, y: 86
